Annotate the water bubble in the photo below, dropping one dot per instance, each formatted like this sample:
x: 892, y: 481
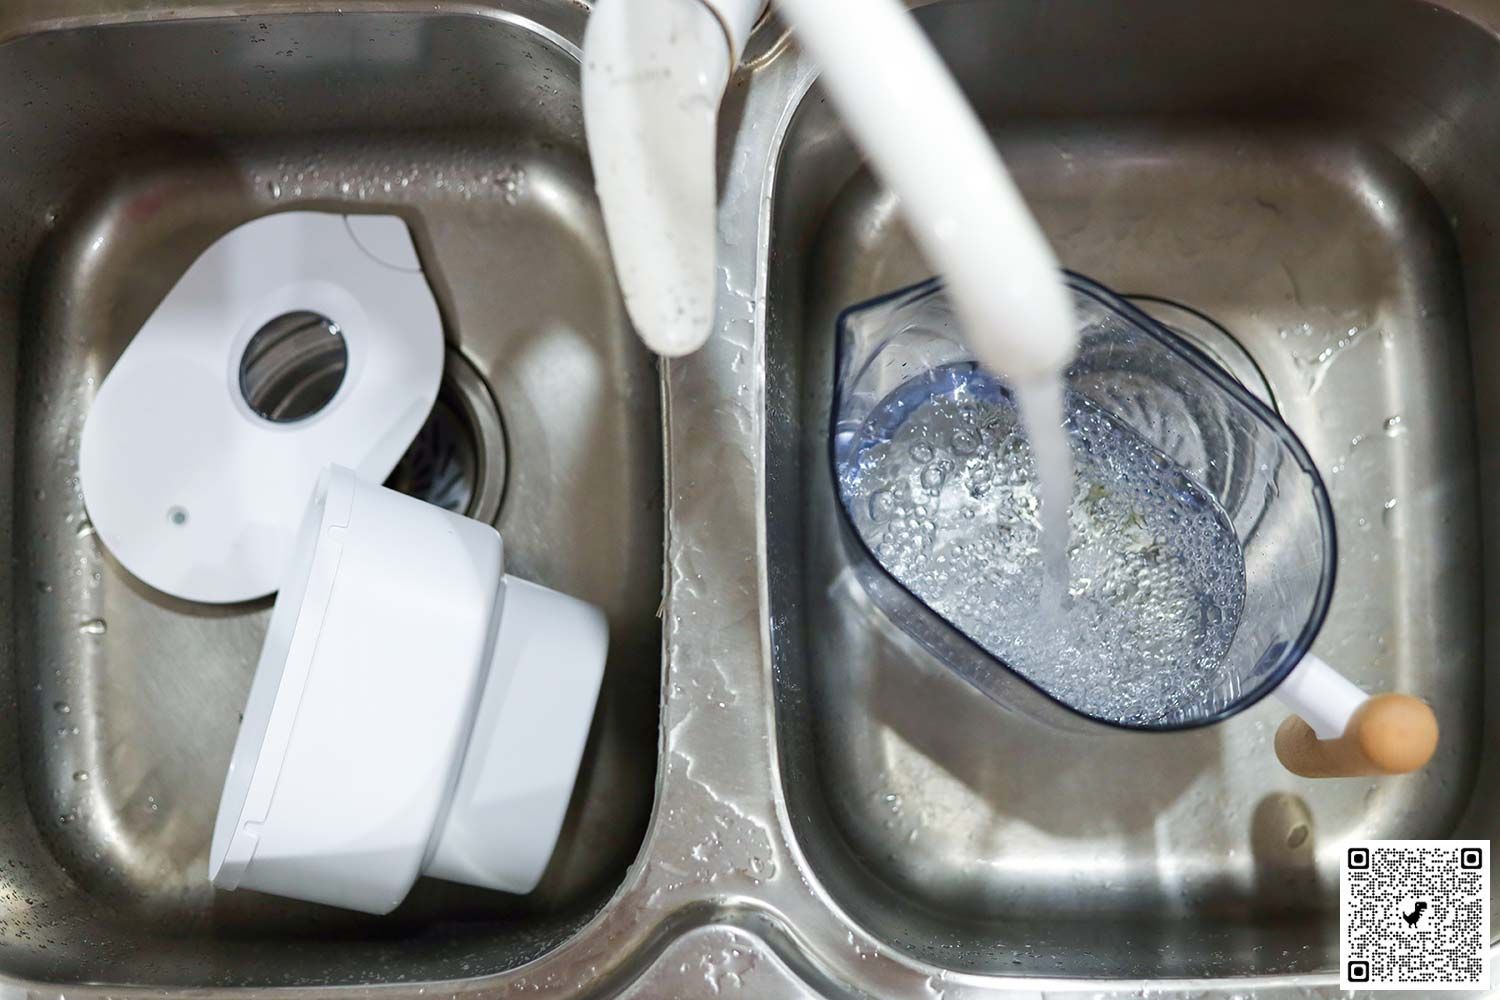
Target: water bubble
x: 964, y: 442
x: 1394, y: 426
x: 882, y: 505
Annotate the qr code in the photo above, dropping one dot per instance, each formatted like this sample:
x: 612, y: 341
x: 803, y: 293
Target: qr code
x: 1415, y: 914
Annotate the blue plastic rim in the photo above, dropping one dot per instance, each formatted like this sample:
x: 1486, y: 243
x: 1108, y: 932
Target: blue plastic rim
x: 1279, y: 662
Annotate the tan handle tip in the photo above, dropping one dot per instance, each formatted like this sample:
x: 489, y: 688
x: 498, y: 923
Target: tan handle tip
x: 1397, y: 733
x: 1389, y: 734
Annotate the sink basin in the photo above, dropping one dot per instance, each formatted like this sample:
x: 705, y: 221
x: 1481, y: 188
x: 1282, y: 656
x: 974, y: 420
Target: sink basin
x: 780, y: 795
x: 1317, y: 187
x: 129, y: 149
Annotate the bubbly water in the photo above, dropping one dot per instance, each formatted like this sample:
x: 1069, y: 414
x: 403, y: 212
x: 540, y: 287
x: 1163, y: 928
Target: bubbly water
x: 942, y: 487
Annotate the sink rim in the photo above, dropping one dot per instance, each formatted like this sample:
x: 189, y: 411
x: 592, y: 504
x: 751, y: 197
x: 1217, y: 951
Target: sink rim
x: 665, y: 895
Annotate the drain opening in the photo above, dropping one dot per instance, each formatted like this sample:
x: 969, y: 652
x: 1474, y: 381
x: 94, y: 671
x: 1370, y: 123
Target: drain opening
x: 458, y: 459
x: 293, y: 366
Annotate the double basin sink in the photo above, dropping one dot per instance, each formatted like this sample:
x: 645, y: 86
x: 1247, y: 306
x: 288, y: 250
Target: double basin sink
x: 779, y: 796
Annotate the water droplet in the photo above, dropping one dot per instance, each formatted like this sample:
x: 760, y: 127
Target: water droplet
x: 274, y: 188
x: 94, y: 626
x: 177, y: 515
x: 1394, y: 426
x: 85, y: 528
x: 1297, y: 836
x: 62, y: 707
x: 80, y: 776
x: 512, y: 181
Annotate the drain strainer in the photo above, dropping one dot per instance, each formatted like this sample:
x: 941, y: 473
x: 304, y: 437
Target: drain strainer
x: 457, y: 460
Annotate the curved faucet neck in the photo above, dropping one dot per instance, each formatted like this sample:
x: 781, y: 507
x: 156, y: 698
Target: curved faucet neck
x: 653, y: 78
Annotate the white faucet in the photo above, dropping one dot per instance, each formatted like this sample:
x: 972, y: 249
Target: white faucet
x: 654, y: 72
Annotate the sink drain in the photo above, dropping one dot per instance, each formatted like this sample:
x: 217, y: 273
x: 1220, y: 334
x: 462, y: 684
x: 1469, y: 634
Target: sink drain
x: 457, y: 460
x: 293, y: 366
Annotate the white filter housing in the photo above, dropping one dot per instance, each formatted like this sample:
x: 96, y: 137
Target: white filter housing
x: 415, y: 710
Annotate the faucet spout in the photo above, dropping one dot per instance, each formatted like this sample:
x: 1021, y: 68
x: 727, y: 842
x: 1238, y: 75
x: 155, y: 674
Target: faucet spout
x: 653, y: 77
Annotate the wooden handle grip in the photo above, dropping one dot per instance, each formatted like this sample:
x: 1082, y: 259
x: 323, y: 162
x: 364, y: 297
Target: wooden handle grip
x: 1389, y: 734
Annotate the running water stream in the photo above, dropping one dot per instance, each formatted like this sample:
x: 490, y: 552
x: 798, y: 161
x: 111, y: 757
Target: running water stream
x: 1041, y: 409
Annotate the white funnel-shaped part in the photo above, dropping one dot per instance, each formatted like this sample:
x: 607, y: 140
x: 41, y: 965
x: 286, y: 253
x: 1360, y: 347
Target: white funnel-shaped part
x: 653, y: 76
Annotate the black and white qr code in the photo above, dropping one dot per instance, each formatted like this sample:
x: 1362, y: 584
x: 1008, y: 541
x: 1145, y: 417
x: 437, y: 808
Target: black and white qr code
x: 1415, y: 914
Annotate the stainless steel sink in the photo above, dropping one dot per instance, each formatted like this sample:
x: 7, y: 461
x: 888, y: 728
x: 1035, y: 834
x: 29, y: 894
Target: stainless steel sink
x: 1326, y: 230
x: 133, y: 147
x: 781, y: 797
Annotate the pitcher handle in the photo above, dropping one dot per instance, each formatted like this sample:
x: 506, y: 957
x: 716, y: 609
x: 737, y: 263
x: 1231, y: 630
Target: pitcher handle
x: 1338, y: 731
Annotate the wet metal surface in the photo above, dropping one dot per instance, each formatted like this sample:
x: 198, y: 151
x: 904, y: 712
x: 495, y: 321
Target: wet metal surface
x: 780, y: 798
